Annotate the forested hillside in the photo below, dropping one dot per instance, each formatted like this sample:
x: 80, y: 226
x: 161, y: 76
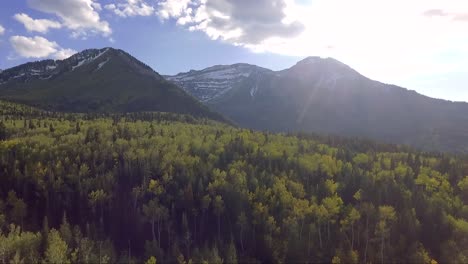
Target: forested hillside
x: 162, y: 187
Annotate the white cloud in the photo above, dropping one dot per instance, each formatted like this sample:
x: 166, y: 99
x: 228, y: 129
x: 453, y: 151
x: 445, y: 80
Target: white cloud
x: 168, y: 9
x: 39, y: 25
x: 97, y: 6
x: 35, y: 47
x: 38, y: 47
x: 131, y: 8
x: 2, y: 30
x: 238, y: 22
x: 63, y: 54
x: 81, y: 16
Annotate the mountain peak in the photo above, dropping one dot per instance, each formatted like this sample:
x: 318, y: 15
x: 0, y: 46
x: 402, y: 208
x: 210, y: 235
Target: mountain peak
x: 321, y: 61
x: 90, y: 53
x: 323, y: 67
x: 96, y: 58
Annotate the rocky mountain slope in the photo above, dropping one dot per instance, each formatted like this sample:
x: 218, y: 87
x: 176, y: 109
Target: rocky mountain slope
x: 215, y: 81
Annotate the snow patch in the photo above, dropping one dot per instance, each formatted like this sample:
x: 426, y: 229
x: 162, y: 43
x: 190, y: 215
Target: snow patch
x: 79, y: 64
x: 46, y: 78
x: 84, y: 60
x: 19, y: 75
x: 254, y: 90
x: 100, y: 53
x: 102, y: 64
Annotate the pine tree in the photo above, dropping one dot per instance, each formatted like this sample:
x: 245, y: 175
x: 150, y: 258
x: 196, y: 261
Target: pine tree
x: 56, y: 248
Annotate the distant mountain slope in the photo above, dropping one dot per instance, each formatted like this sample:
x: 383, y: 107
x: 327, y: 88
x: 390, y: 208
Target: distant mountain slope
x: 327, y: 96
x: 104, y: 80
x: 214, y: 81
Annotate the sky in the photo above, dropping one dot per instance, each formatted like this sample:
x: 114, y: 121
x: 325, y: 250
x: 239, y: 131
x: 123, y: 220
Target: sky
x: 421, y: 45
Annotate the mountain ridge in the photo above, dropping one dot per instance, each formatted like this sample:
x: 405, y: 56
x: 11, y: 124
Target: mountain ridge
x: 97, y: 80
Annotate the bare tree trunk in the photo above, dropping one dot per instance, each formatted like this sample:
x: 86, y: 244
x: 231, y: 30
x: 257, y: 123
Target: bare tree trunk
x: 241, y: 240
x: 202, y: 222
x: 159, y: 233
x: 300, y: 231
x: 308, y: 244
x: 169, y: 238
x: 320, y: 236
x: 253, y: 237
x: 152, y: 229
x: 100, y: 243
x: 129, y: 252
x: 219, y: 227
x: 195, y: 228
x: 359, y: 237
x: 367, y: 239
x: 382, y: 249
x: 102, y: 213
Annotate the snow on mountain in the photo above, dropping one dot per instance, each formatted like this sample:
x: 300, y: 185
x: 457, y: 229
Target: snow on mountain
x: 102, y: 64
x: 253, y: 90
x: 87, y: 56
x: 27, y: 71
x: 50, y: 67
x: 215, y: 81
x: 46, y: 69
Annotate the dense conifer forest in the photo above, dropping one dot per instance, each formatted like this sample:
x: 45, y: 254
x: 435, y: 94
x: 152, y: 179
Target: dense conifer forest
x: 167, y: 188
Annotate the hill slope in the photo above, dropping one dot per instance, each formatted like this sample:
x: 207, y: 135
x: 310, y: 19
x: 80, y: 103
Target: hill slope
x: 105, y: 80
x: 327, y: 96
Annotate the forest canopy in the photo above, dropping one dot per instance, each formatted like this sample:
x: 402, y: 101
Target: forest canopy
x: 160, y: 187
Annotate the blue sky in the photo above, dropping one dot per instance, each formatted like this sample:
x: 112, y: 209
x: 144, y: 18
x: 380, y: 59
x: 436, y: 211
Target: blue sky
x: 422, y: 45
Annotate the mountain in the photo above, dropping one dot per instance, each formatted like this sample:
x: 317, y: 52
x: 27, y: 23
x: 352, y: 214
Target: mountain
x: 215, y: 81
x: 324, y: 95
x: 97, y: 80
